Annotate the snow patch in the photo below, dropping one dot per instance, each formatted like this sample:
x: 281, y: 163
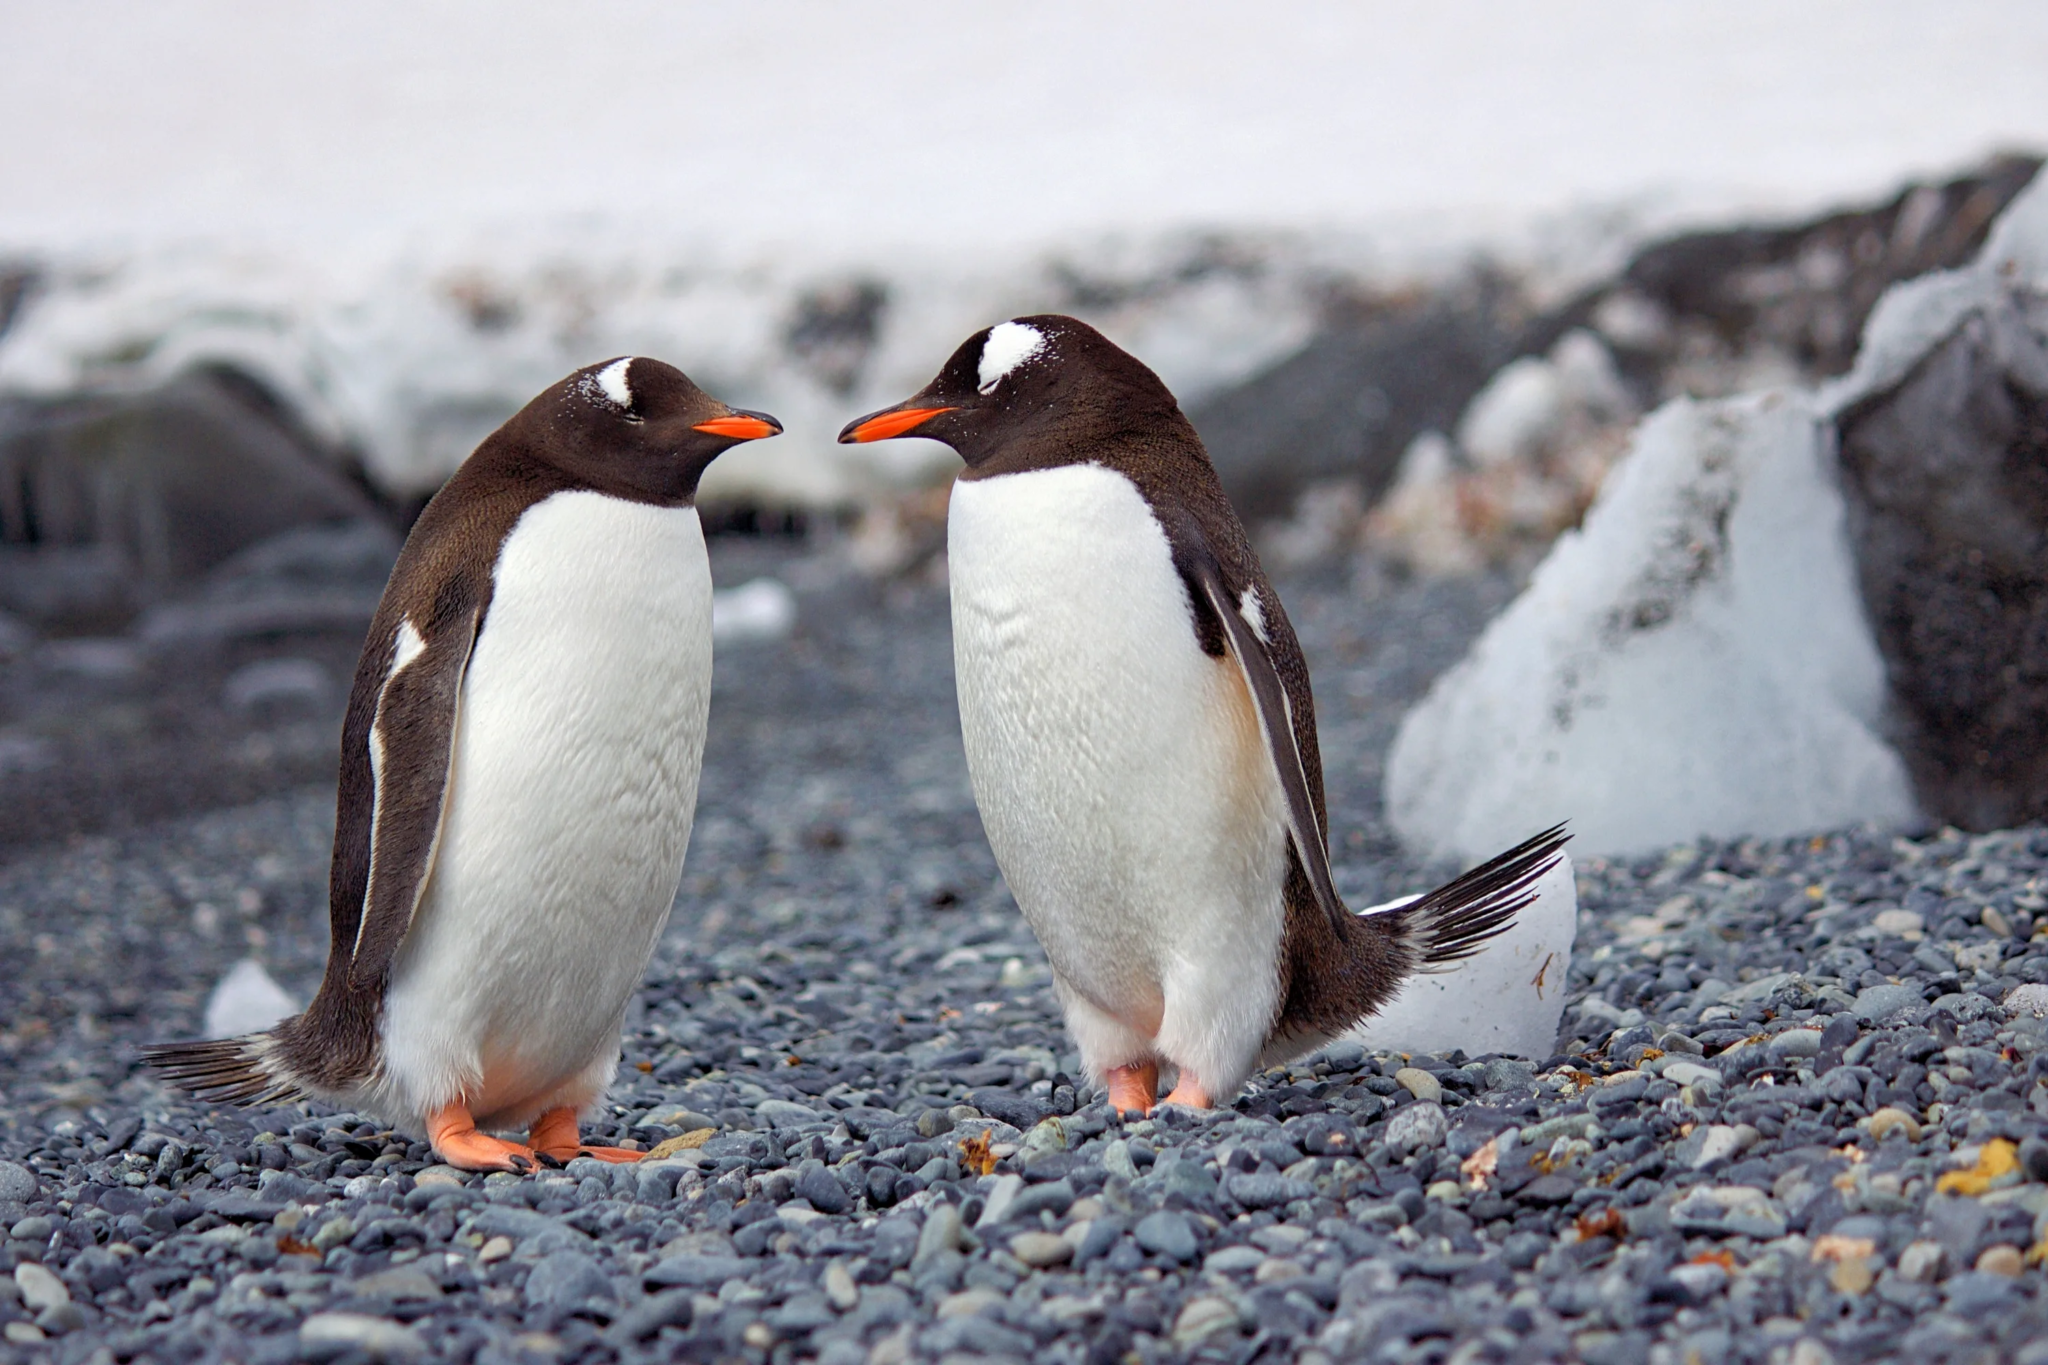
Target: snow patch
x: 1009, y: 344
x: 1507, y: 997
x: 246, y: 1000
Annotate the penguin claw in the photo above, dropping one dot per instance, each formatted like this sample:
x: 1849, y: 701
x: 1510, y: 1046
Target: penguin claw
x: 455, y: 1139
x: 549, y: 1160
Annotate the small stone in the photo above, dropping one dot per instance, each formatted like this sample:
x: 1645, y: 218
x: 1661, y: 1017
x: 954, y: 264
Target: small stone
x: 787, y: 1114
x: 685, y: 1142
x: 2030, y: 1000
x: 400, y: 1283
x: 1277, y: 1270
x: 1001, y: 1195
x: 438, y: 1177
x: 1920, y: 1262
x: 1875, y: 1004
x: 823, y: 1190
x: 1888, y: 1120
x: 334, y: 1232
x: 1041, y: 1249
x: 2034, y: 1159
x: 970, y: 1303
x: 1796, y: 1042
x: 377, y: 1337
x: 1202, y: 1318
x: 1232, y: 1260
x: 1694, y: 1074
x: 2002, y: 1259
x: 497, y: 1249
x: 1897, y: 923
x: 940, y: 1233
x: 840, y: 1290
x: 40, y: 1288
x: 1418, y: 1125
x: 1256, y: 1191
x: 1852, y: 1275
x: 565, y: 1279
x: 1167, y: 1233
x: 17, y: 1183
x: 1420, y: 1084
x: 1447, y: 1190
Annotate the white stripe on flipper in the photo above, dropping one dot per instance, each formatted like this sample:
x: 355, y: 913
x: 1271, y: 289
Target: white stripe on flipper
x: 405, y: 648
x: 1254, y: 613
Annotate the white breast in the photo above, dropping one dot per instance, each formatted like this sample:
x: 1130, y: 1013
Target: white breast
x: 579, y: 742
x: 1121, y: 775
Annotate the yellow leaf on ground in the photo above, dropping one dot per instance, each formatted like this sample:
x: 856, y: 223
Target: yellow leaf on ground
x: 1999, y: 1157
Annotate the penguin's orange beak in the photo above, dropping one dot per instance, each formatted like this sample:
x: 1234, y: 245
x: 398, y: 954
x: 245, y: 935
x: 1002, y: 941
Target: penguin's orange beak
x: 880, y: 426
x: 741, y: 426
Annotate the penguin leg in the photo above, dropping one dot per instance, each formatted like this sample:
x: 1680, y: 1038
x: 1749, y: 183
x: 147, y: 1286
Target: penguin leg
x: 1188, y: 1091
x: 453, y: 1133
x: 554, y: 1134
x: 1120, y: 1056
x: 1133, y: 1089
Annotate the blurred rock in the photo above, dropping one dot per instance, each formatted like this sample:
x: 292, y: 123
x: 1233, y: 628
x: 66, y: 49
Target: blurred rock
x: 764, y: 609
x: 109, y: 503
x: 1948, y: 476
x: 277, y: 683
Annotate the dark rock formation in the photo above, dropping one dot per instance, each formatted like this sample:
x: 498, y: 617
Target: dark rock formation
x: 1348, y: 404
x: 108, y: 503
x: 1947, y: 481
x: 1703, y: 314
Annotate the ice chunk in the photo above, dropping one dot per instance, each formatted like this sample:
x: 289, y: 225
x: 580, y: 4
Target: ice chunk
x: 1507, y: 997
x: 763, y: 609
x: 246, y: 1001
x: 1695, y: 661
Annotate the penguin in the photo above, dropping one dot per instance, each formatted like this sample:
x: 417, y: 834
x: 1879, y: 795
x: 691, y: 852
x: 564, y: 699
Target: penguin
x: 519, y: 768
x: 1140, y: 733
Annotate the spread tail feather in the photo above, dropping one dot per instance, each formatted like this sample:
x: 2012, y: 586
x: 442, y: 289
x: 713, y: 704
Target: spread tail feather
x: 246, y: 1070
x: 1455, y: 921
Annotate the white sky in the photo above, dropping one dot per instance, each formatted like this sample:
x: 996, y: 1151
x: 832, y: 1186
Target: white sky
x: 904, y: 121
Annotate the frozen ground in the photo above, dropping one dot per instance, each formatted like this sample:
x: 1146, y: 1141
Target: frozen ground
x: 1790, y: 1112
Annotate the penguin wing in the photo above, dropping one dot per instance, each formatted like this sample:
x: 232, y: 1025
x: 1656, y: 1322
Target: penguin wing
x: 1254, y: 656
x: 412, y: 746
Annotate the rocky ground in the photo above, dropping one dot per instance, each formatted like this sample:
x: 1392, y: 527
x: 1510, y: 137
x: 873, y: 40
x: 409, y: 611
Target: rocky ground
x: 1794, y: 1115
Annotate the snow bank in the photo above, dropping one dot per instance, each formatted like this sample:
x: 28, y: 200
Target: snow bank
x: 1697, y: 659
x: 409, y: 359
x: 1506, y: 998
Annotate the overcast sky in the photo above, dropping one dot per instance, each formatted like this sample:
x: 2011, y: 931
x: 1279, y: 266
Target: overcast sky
x: 915, y: 121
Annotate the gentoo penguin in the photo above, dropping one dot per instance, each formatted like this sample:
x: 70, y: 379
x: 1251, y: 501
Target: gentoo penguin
x: 518, y: 777
x: 1140, y: 734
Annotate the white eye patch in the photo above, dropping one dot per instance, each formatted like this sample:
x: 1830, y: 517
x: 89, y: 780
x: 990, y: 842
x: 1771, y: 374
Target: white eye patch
x: 1009, y: 345
x: 611, y: 382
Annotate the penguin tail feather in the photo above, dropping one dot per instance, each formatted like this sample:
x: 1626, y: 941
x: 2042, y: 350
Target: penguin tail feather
x: 1457, y: 919
x: 246, y: 1070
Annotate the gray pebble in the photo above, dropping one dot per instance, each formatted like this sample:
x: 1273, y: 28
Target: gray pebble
x: 1166, y: 1233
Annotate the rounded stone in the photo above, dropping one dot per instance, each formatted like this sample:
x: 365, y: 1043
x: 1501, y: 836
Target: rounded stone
x: 823, y: 1190
x: 1203, y: 1318
x: 40, y: 1287
x: 17, y: 1183
x: 563, y: 1279
x: 2030, y: 999
x: 1889, y: 1120
x: 2002, y: 1259
x: 1166, y: 1233
x: 1041, y: 1249
x: 1420, y: 1084
x: 1419, y: 1125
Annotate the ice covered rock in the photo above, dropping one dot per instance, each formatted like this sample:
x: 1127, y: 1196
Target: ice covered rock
x: 1944, y: 455
x: 246, y: 1000
x: 1507, y: 997
x: 1694, y: 660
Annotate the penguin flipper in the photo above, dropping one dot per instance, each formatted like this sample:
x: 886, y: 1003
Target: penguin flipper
x: 412, y: 749
x: 1276, y: 718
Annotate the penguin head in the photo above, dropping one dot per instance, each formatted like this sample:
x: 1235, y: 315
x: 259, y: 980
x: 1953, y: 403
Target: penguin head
x: 635, y: 427
x: 1031, y: 382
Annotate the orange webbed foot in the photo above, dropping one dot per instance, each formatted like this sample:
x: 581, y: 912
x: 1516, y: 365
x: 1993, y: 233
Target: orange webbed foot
x: 1188, y: 1092
x: 453, y: 1133
x: 1133, y: 1089
x: 554, y: 1134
